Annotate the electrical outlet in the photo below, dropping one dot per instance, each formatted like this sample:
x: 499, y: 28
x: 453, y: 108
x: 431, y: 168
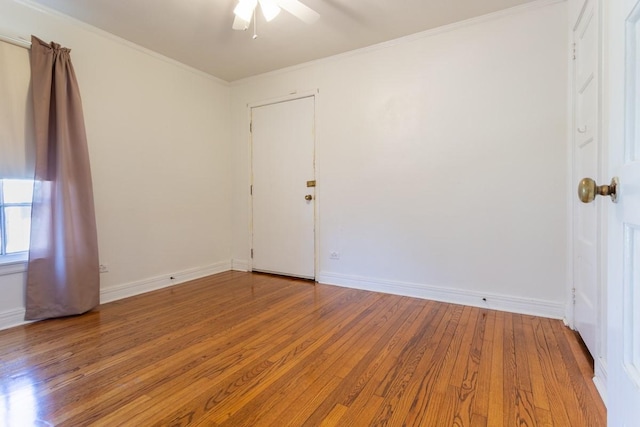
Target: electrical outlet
x: 334, y: 255
x: 104, y: 268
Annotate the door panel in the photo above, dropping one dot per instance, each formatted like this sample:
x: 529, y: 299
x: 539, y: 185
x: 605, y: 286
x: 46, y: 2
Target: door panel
x: 586, y: 139
x: 282, y: 163
x: 623, y: 32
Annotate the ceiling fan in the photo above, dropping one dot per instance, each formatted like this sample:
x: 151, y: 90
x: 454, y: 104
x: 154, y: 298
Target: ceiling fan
x: 245, y: 10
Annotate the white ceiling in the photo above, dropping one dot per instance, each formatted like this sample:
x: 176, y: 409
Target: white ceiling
x: 198, y: 32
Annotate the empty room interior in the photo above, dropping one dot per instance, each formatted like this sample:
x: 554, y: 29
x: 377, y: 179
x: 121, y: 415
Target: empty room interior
x: 315, y: 212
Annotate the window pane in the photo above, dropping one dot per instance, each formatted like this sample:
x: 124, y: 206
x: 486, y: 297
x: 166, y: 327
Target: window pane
x: 17, y: 190
x: 18, y: 222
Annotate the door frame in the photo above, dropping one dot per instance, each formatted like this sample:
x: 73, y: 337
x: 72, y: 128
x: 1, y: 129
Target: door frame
x: 576, y: 14
x: 313, y: 93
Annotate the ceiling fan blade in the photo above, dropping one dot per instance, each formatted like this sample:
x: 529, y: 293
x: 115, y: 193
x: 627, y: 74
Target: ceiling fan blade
x: 269, y: 9
x: 299, y: 10
x: 245, y: 8
x: 240, y: 24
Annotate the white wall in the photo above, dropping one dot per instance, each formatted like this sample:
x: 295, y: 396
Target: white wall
x: 158, y: 137
x: 441, y: 161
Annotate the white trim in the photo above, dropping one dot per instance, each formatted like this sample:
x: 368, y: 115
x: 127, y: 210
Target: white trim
x: 292, y: 96
x: 600, y: 377
x: 12, y: 266
x: 16, y: 41
x: 407, y: 39
x: 317, y: 198
x: 247, y: 129
x: 601, y: 261
x: 570, y: 303
x: 529, y: 306
x: 114, y: 293
x: 240, y: 265
x: 603, y: 214
x: 11, y: 318
x: 534, y: 307
x: 95, y: 30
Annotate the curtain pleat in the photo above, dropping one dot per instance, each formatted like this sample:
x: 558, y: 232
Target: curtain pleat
x: 63, y: 277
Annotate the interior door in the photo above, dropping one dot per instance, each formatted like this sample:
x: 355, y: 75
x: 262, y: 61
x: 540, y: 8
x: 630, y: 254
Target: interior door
x: 623, y: 385
x: 283, y: 185
x: 588, y: 318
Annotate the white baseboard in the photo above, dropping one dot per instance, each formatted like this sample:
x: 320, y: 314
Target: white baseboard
x: 511, y: 304
x: 239, y: 265
x: 15, y: 317
x: 455, y: 296
x: 600, y: 378
x: 147, y: 285
x: 11, y: 318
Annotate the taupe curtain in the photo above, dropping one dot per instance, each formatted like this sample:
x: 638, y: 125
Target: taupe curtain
x: 62, y: 277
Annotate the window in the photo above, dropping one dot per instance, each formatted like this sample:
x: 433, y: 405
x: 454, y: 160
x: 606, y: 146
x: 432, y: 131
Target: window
x: 17, y: 157
x: 15, y: 216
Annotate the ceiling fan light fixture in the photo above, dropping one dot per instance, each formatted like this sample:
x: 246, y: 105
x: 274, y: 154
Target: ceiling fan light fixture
x: 244, y: 9
x: 240, y: 24
x: 245, y: 12
x: 269, y: 9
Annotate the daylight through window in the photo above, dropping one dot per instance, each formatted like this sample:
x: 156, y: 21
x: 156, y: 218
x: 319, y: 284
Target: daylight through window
x: 15, y: 215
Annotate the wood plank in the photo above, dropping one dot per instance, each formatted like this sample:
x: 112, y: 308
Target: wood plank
x: 243, y: 349
x: 585, y: 362
x: 523, y: 374
x: 546, y: 354
x: 510, y: 408
x: 535, y: 370
x: 410, y: 399
x: 375, y: 330
x: 215, y: 360
x: 496, y: 386
x: 478, y: 421
x: 464, y: 411
x: 363, y: 402
x: 259, y: 373
x: 333, y: 419
x: 481, y: 402
x: 580, y: 390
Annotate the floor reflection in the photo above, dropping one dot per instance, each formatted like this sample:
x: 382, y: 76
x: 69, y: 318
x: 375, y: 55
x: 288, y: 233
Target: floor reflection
x: 19, y: 404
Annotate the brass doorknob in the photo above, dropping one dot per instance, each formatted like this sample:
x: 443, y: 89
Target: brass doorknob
x: 308, y: 197
x: 588, y: 190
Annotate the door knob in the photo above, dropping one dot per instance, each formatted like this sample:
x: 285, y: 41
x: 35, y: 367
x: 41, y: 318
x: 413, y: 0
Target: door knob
x: 588, y: 190
x: 308, y: 197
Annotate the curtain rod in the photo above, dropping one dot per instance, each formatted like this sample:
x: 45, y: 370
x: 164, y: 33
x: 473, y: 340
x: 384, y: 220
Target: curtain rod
x: 16, y: 41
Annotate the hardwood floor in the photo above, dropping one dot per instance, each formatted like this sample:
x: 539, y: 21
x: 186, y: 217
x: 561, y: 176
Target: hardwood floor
x: 242, y: 349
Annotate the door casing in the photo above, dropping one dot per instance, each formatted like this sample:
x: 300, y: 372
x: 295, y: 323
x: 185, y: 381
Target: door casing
x: 588, y: 312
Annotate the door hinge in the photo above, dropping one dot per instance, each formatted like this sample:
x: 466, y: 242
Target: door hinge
x: 251, y: 123
x: 251, y: 253
x: 573, y: 295
x: 574, y: 51
x: 251, y: 190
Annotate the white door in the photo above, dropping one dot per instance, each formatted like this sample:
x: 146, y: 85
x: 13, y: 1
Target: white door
x: 586, y: 139
x: 282, y: 187
x: 623, y: 67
